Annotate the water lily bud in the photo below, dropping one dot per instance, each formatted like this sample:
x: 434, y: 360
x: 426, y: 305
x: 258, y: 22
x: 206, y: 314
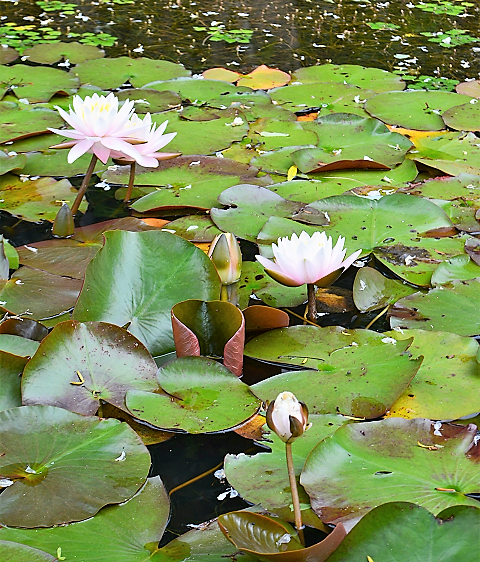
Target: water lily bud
x: 288, y: 417
x: 227, y: 257
x: 4, y: 264
x: 63, y: 225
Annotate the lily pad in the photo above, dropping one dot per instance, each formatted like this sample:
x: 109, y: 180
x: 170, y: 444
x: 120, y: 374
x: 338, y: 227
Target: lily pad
x: 187, y: 181
x: 277, y: 161
x: 418, y: 109
x: 17, y: 345
x: 38, y: 294
x: 11, y: 367
x: 198, y: 91
x: 197, y: 395
x: 148, y: 100
x: 222, y: 74
x: 196, y: 228
x: 446, y: 385
x: 18, y: 121
x: 352, y: 376
x: 54, y: 163
x: 367, y: 464
x: 406, y: 528
x: 50, y: 53
x: 79, y: 365
x: 15, y: 552
x: 113, y: 72
x: 36, y: 84
x: 374, y: 79
x: 465, y: 187
x: 464, y: 117
x: 452, y: 153
x: 124, y: 533
x: 136, y: 278
x: 449, y: 308
x: 10, y: 162
x: 264, y: 78
x: 456, y: 268
x: 249, y: 207
x: 37, y: 199
x: 7, y: 54
x: 371, y: 290
x: 351, y: 141
x: 57, y: 473
x: 263, y: 479
x: 270, y: 134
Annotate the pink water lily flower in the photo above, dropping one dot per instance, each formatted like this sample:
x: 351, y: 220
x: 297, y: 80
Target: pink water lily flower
x: 152, y: 138
x: 308, y: 260
x: 99, y: 127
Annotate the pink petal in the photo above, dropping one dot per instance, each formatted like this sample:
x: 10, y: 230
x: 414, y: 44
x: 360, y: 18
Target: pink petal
x: 79, y: 149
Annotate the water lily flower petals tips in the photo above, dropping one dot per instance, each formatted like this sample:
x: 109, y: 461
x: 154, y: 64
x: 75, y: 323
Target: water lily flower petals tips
x: 308, y: 260
x: 287, y: 417
x: 99, y: 127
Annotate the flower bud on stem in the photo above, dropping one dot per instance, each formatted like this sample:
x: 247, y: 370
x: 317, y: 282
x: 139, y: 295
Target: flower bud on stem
x: 85, y: 182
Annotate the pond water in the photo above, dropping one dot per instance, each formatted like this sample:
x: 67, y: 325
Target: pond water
x: 438, y: 38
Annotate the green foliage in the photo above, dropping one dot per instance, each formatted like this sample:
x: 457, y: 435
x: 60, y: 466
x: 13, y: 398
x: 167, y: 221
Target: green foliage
x: 95, y: 39
x: 424, y: 82
x: 57, y: 6
x: 382, y: 26
x: 452, y: 38
x: 219, y: 33
x: 23, y: 36
x: 444, y: 7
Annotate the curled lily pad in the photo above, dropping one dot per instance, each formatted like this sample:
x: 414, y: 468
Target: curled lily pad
x: 124, y: 533
x: 197, y: 395
x: 368, y: 464
x: 351, y: 377
x: 406, y: 528
x: 156, y: 273
x: 371, y: 290
x: 57, y: 473
x: 78, y: 365
x: 11, y: 367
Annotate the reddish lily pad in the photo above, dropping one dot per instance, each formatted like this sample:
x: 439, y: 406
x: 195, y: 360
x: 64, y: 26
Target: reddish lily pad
x: 79, y: 365
x: 7, y: 54
x: 113, y: 72
x: 222, y: 74
x: 368, y: 464
x: 58, y: 473
x: 264, y: 78
x: 469, y: 88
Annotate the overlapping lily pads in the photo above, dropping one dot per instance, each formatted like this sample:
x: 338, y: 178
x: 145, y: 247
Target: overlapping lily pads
x: 18, y: 121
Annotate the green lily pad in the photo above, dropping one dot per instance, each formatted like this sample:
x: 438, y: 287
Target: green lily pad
x: 124, y: 533
x: 18, y: 345
x: 456, y: 268
x: 11, y: 162
x: 78, y: 365
x: 11, y: 254
x: 269, y: 134
x: 254, y: 281
x: 452, y: 153
x: 50, y: 53
x: 196, y: 228
x: 371, y: 290
x: 18, y: 121
x: 374, y: 79
x: 15, y: 552
x: 464, y: 117
x: 359, y: 373
x: 11, y: 367
x: 36, y: 84
x: 113, y: 72
x: 58, y: 473
x: 317, y: 94
x: 418, y: 109
x: 351, y: 141
x: 262, y: 478
x: 199, y: 396
x: 368, y: 464
x: 38, y: 293
x: 277, y: 161
x: 337, y: 182
x: 136, y: 278
x: 249, y: 207
x: 464, y: 186
x: 187, y: 181
x: 449, y: 308
x: 198, y: 91
x: 150, y: 101
x: 37, y: 199
x: 446, y: 385
x: 53, y: 162
x: 406, y: 528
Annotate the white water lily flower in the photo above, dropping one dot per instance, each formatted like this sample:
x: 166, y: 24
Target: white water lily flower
x: 304, y: 259
x: 287, y: 416
x: 99, y: 127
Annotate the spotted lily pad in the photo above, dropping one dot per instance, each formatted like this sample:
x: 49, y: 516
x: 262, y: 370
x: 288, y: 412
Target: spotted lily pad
x: 197, y: 395
x: 124, y: 533
x: 79, y: 365
x: 368, y: 464
x: 57, y: 473
x: 464, y: 117
x: 446, y: 385
x: 113, y: 72
x: 352, y: 376
x: 18, y: 121
x: 36, y: 84
x: 136, y: 278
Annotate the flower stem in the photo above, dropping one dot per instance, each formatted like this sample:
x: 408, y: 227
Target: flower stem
x: 131, y: 179
x: 312, y: 304
x: 83, y: 187
x: 224, y: 293
x: 293, y: 488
